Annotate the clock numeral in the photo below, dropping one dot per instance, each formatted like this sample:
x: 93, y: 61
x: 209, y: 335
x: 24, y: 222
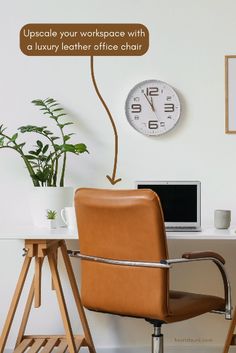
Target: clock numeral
x: 136, y: 108
x: 169, y: 108
x: 162, y: 124
x: 152, y: 91
x: 152, y: 124
x: 168, y: 98
x: 136, y: 117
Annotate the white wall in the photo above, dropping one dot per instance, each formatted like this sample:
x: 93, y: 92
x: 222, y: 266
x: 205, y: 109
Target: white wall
x: 188, y: 41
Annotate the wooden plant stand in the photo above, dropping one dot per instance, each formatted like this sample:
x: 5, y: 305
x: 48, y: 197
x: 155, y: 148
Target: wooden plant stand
x: 39, y: 249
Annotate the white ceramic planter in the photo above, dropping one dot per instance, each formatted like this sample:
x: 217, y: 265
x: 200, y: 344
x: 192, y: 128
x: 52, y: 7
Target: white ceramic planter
x: 52, y: 223
x: 49, y: 198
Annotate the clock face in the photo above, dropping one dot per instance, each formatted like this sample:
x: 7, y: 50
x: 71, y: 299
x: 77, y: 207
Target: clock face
x: 152, y: 107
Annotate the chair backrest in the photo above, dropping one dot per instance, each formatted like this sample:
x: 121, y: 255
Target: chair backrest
x: 122, y: 225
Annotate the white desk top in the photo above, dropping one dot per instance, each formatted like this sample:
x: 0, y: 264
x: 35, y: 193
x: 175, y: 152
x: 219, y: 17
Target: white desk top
x: 30, y: 232
x: 205, y: 234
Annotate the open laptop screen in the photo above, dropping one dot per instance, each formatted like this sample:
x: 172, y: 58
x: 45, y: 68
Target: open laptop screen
x: 180, y: 201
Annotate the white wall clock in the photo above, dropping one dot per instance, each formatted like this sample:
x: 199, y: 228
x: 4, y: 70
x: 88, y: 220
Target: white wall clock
x: 152, y: 107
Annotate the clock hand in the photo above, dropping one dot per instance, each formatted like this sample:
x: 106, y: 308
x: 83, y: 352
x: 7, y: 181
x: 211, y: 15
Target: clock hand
x: 154, y: 110
x: 151, y: 103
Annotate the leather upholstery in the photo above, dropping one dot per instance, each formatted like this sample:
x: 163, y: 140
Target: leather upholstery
x: 128, y: 225
x: 184, y: 305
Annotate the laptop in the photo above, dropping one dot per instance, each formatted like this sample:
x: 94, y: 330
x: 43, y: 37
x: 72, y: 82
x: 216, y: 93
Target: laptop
x: 181, y: 203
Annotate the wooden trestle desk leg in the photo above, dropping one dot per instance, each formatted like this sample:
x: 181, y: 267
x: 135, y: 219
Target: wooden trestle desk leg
x: 39, y: 249
x: 231, y: 337
x: 14, y: 303
x: 76, y: 294
x: 26, y: 314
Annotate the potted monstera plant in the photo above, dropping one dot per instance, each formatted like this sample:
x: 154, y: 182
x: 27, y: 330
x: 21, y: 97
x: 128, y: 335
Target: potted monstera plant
x: 46, y: 161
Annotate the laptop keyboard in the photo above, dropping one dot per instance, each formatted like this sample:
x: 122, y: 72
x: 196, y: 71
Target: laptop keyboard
x: 182, y: 229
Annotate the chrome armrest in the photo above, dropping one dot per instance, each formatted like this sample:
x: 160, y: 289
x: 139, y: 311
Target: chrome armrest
x: 166, y: 264
x: 219, y: 262
x: 104, y: 260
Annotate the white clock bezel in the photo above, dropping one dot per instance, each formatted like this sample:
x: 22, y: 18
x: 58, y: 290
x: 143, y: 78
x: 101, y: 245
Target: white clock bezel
x: 164, y: 119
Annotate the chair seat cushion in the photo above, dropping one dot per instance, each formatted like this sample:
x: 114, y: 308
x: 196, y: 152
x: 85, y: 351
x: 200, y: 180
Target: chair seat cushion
x: 184, y: 305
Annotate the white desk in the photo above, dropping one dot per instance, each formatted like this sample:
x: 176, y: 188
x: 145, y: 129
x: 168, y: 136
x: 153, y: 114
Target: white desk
x: 30, y: 232
x: 205, y: 234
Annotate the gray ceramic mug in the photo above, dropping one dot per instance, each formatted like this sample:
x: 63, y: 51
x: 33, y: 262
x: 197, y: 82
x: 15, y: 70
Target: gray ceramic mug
x: 222, y: 219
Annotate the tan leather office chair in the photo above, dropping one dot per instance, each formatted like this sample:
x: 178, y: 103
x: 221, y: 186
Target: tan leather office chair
x: 125, y: 264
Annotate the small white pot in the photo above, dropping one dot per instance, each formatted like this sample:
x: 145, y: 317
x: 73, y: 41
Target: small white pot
x: 49, y: 198
x: 52, y: 224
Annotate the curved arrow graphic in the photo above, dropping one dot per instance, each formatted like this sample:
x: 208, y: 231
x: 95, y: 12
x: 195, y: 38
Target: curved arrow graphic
x: 112, y: 178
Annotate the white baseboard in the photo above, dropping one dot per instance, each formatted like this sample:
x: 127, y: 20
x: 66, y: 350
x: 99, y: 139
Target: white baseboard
x: 167, y: 349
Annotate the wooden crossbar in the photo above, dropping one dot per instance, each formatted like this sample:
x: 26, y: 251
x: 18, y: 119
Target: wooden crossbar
x: 50, y: 345
x: 46, y: 344
x: 62, y: 347
x: 24, y: 345
x: 36, y: 346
